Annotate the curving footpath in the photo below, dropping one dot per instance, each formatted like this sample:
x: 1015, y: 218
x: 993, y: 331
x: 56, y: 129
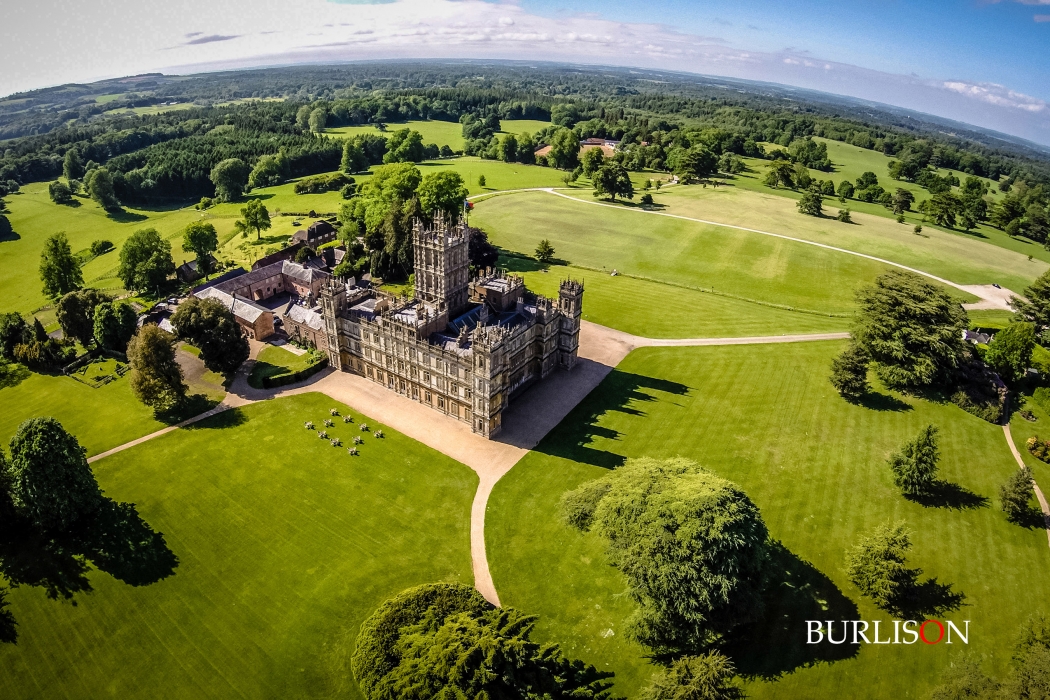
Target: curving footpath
x: 1035, y: 487
x: 991, y: 297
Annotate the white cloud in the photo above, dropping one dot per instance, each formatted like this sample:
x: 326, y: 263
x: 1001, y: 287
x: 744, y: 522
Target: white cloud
x: 997, y: 95
x: 135, y: 37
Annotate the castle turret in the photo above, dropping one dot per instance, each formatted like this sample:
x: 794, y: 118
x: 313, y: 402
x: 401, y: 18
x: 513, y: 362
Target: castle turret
x: 333, y: 306
x: 570, y: 304
x: 442, y: 263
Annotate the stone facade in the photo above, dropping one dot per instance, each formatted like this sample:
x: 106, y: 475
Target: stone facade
x: 462, y: 347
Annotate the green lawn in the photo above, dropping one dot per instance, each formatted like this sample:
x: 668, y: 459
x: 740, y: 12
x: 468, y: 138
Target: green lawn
x: 767, y: 418
x: 744, y: 264
x: 34, y: 217
x: 959, y: 258
x: 657, y: 310
x: 274, y: 361
x: 284, y: 544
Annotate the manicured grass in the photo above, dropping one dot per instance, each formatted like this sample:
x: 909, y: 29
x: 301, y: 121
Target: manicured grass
x: 657, y: 310
x: 34, y: 217
x: 959, y: 258
x: 284, y: 544
x: 737, y: 262
x: 101, y: 417
x: 767, y: 418
x: 275, y: 361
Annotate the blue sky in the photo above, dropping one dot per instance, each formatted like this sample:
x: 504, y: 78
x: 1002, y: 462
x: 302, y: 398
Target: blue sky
x: 996, y: 42
x: 983, y: 62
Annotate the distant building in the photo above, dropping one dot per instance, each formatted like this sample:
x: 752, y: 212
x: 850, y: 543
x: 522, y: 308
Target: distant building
x: 464, y: 348
x: 189, y: 272
x: 280, y: 256
x: 317, y: 233
x: 976, y: 337
x: 608, y: 146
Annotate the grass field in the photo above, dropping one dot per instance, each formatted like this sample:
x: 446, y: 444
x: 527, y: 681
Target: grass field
x: 284, y: 544
x: 101, y: 417
x: 34, y: 217
x: 442, y: 133
x: 737, y: 262
x: 961, y: 259
x: 657, y: 310
x: 274, y: 361
x: 767, y: 418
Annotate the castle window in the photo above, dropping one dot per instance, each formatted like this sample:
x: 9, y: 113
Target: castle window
x: 369, y: 371
x: 441, y: 402
x: 427, y: 397
x: 426, y: 377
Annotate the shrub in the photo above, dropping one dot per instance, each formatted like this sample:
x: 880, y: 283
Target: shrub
x: 914, y: 467
x: 101, y: 247
x: 706, y: 677
x: 1040, y: 449
x: 577, y: 506
x: 844, y: 216
x: 1015, y: 493
x: 322, y: 183
x: 849, y: 373
x: 877, y: 567
x: 647, y: 199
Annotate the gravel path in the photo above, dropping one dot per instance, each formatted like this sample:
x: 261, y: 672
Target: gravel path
x: 1035, y: 487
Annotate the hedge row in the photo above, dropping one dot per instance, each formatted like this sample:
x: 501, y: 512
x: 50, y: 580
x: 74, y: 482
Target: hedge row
x: 292, y: 378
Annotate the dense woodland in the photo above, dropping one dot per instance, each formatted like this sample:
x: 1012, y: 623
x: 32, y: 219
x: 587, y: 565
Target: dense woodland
x: 681, y: 124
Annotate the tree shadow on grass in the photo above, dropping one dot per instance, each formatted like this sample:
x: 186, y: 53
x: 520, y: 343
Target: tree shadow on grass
x: 12, y: 374
x: 123, y: 216
x: 230, y: 418
x: 945, y: 494
x: 1031, y: 519
x: 8, y: 626
x: 9, y: 236
x: 620, y: 392
x: 192, y: 405
x: 516, y: 262
x: 114, y: 539
x: 930, y: 598
x: 776, y: 643
x: 883, y: 402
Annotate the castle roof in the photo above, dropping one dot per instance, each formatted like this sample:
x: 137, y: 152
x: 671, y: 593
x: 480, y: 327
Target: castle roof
x: 305, y: 316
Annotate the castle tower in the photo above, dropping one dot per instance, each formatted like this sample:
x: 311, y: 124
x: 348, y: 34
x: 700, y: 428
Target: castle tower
x: 570, y: 304
x: 333, y: 305
x: 442, y: 264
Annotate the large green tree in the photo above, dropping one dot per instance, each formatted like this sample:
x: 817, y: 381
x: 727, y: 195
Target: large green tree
x: 354, y: 158
x: 691, y: 545
x: 210, y: 326
x: 76, y: 314
x: 1010, y: 352
x: 72, y: 166
x: 911, y: 331
x: 849, y: 373
x: 565, y: 149
x: 443, y: 640
x: 612, y: 180
x: 877, y: 565
x: 99, y: 184
x: 114, y: 325
x: 59, y: 268
x: 383, y: 214
x: 200, y: 239
x: 145, y: 261
x: 51, y: 482
x: 1035, y: 306
x: 591, y: 160
x: 156, y: 377
x: 269, y: 170
x: 254, y: 217
x: 709, y: 676
x: 1015, y: 494
x: 13, y: 330
x: 442, y: 191
x: 914, y: 466
x: 810, y: 203
x: 230, y: 177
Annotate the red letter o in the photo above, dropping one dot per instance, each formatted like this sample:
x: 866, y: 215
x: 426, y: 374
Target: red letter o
x: 922, y: 631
